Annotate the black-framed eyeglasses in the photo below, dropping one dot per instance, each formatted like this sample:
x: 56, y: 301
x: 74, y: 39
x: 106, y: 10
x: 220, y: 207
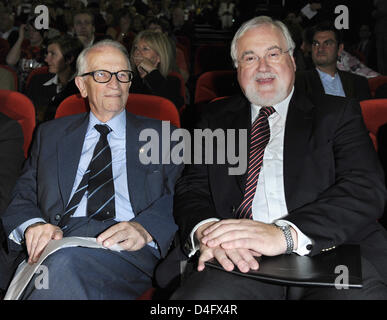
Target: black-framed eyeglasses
x: 104, y: 76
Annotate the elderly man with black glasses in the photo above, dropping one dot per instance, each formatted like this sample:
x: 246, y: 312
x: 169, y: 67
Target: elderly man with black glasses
x: 84, y: 178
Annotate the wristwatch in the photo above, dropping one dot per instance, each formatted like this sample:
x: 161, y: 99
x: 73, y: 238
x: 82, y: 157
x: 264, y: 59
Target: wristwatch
x: 288, y: 235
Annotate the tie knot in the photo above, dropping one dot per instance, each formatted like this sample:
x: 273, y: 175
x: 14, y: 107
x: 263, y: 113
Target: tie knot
x: 267, y: 111
x: 103, y: 129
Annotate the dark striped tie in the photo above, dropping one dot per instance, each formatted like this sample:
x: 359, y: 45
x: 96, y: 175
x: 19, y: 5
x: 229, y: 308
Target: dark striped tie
x: 101, y: 155
x: 260, y: 136
x: 100, y: 190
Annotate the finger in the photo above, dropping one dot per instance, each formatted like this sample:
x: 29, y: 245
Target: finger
x: 241, y: 243
x: 42, y: 243
x: 205, y: 255
x: 118, y: 237
x: 248, y: 256
x: 218, y: 224
x: 238, y: 260
x: 223, y: 259
x: 34, y: 244
x: 229, y: 235
x: 58, y: 234
x: 109, y: 232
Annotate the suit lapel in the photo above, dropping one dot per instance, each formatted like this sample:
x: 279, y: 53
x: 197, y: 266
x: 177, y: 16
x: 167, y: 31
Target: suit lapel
x: 69, y: 149
x: 316, y: 83
x: 133, y: 166
x: 298, y: 129
x: 347, y: 84
x: 237, y: 118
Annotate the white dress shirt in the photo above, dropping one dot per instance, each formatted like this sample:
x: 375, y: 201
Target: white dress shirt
x: 269, y: 204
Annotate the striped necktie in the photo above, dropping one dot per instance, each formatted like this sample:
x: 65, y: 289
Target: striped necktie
x: 100, y: 190
x: 100, y: 186
x: 260, y: 136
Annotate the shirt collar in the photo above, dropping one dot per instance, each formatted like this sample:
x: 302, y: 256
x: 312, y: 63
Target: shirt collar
x: 326, y: 76
x: 117, y: 123
x: 280, y: 108
x: 53, y: 80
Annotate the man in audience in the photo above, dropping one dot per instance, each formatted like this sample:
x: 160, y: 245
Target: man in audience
x: 326, y: 78
x: 85, y: 178
x: 313, y: 181
x: 11, y: 160
x: 83, y: 26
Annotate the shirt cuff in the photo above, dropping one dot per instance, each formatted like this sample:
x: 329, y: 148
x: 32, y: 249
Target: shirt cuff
x: 302, y: 239
x: 17, y: 235
x: 195, y: 245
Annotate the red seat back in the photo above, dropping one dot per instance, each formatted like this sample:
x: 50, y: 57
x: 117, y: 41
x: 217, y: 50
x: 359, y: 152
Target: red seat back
x: 375, y: 115
x: 19, y: 107
x: 213, y: 84
x: 140, y: 104
x: 375, y: 82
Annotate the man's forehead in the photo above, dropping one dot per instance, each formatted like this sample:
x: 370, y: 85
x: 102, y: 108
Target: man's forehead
x: 268, y: 38
x: 82, y: 17
x: 324, y: 35
x: 101, y: 56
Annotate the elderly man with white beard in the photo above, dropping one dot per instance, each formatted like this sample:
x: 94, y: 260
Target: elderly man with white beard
x: 313, y: 182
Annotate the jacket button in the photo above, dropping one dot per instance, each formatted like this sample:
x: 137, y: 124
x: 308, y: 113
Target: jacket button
x: 309, y: 247
x: 57, y: 217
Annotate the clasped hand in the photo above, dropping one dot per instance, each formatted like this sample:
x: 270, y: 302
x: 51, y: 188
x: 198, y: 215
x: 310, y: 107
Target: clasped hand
x: 236, y: 242
x: 131, y: 236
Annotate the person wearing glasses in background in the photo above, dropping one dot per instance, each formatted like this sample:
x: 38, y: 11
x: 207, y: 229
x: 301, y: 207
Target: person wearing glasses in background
x: 326, y: 78
x: 312, y: 181
x: 84, y: 178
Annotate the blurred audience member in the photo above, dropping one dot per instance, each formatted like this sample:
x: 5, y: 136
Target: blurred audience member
x: 7, y: 80
x: 366, y: 46
x: 226, y: 13
x: 380, y: 16
x: 327, y: 46
x: 8, y: 30
x: 162, y: 25
x: 83, y: 27
x: 28, y: 51
x: 153, y: 58
x: 47, y: 91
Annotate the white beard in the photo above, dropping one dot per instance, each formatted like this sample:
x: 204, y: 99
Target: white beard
x: 253, y: 95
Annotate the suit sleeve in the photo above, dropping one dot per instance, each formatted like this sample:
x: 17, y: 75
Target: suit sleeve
x: 24, y: 205
x: 356, y: 199
x: 11, y: 159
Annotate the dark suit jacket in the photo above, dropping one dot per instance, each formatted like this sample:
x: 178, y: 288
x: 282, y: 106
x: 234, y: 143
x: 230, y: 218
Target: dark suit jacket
x: 11, y: 160
x: 354, y: 86
x: 45, y: 98
x: 334, y: 186
x: 45, y: 185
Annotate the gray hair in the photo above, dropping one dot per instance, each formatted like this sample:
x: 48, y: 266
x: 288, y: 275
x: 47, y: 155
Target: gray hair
x: 256, y: 22
x: 82, y: 62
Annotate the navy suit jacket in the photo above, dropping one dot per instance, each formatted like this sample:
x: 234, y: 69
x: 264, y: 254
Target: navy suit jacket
x: 45, y: 185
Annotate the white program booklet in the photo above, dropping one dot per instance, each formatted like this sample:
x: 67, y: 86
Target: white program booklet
x: 25, y: 271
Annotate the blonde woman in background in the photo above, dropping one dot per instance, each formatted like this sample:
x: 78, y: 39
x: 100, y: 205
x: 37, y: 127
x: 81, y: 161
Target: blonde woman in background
x: 152, y: 59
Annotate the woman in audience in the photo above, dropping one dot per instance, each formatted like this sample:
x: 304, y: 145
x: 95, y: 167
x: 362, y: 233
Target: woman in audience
x: 47, y: 91
x: 153, y: 59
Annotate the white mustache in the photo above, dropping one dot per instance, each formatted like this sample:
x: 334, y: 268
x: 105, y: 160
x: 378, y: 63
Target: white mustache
x: 265, y: 75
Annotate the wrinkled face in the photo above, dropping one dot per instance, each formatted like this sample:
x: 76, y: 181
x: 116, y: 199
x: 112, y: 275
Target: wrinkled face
x: 83, y: 26
x: 142, y: 50
x: 325, y: 49
x: 106, y: 99
x: 55, y: 59
x: 265, y: 82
